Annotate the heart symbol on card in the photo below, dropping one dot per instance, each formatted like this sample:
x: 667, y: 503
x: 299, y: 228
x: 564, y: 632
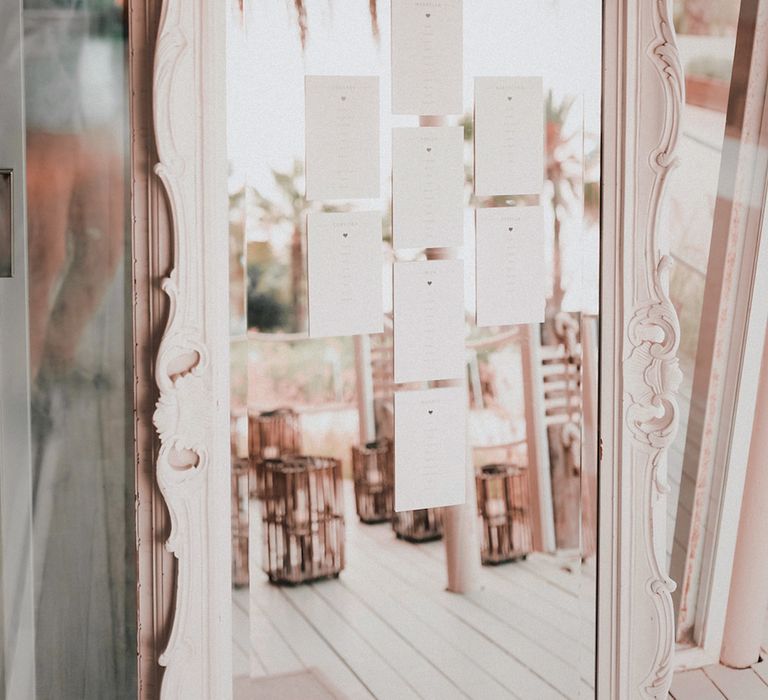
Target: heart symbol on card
x: 346, y: 234
x: 511, y: 228
x: 429, y: 15
x: 429, y: 282
x: 343, y: 98
x: 509, y: 98
x: 430, y: 411
x: 429, y: 150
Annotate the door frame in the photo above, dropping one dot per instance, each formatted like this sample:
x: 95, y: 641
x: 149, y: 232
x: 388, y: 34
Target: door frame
x: 17, y: 620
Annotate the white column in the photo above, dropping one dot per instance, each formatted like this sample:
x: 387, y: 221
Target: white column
x: 364, y: 382
x: 748, y: 598
x: 462, y: 545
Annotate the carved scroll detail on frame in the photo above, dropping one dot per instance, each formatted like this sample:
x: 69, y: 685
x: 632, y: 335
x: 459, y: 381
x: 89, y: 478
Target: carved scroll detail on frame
x: 183, y: 371
x: 651, y: 372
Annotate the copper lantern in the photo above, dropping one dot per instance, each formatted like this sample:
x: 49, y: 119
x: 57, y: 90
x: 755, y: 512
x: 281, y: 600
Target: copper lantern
x: 419, y: 525
x: 503, y: 502
x: 271, y: 434
x: 239, y: 491
x: 303, y: 516
x: 373, y: 471
x: 239, y: 522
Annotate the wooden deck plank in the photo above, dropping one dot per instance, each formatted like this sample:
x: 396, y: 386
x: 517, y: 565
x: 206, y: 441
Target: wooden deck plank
x: 531, y: 657
x: 493, y: 650
x: 519, y: 589
x: 240, y: 661
x: 554, y: 659
x: 694, y: 685
x: 372, y: 669
x: 520, y: 606
x: 554, y: 570
x: 764, y: 645
x: 761, y: 669
x: 390, y: 603
x: 530, y: 590
x: 452, y: 659
x: 421, y: 675
x: 737, y: 684
x: 246, y: 661
x: 266, y: 642
x: 311, y: 649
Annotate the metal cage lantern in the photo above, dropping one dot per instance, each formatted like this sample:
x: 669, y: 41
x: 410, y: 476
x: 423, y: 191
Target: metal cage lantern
x: 303, y: 516
x: 239, y: 491
x: 373, y: 472
x: 503, y: 501
x: 271, y: 434
x: 240, y: 471
x: 418, y: 525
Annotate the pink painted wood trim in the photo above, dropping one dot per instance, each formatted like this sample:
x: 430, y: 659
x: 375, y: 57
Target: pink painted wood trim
x: 748, y: 598
x: 536, y: 440
x: 151, y: 240
x: 190, y: 374
x: 716, y: 450
x: 642, y: 100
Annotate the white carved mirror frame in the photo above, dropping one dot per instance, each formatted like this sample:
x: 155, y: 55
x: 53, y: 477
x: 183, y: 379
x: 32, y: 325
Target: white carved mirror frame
x: 639, y: 374
x: 642, y: 98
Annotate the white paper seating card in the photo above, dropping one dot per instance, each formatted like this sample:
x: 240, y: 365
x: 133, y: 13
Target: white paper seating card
x: 509, y: 136
x: 428, y: 187
x: 342, y: 137
x: 429, y: 330
x: 430, y: 448
x: 344, y: 271
x: 510, y: 268
x: 427, y: 60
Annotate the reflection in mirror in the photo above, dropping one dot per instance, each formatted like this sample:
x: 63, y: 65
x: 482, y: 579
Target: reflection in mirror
x: 337, y: 595
x: 715, y: 535
x: 80, y: 347
x: 707, y: 35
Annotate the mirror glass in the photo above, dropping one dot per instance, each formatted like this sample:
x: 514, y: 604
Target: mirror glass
x: 78, y: 206
x: 706, y: 34
x: 336, y: 595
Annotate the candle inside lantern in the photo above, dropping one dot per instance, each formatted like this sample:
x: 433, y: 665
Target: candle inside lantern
x: 301, y: 507
x: 373, y: 474
x: 495, y: 507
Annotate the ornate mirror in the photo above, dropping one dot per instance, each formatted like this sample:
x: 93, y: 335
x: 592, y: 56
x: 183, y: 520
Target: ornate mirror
x: 325, y: 600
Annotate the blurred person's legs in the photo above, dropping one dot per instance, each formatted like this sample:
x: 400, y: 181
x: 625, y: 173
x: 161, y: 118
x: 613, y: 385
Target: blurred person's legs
x: 97, y: 222
x: 51, y: 176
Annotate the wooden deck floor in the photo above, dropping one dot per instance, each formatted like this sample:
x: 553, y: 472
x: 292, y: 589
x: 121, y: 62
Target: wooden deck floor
x: 388, y: 629
x: 719, y: 683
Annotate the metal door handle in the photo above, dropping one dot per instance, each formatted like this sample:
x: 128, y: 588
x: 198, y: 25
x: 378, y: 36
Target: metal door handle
x: 6, y: 222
